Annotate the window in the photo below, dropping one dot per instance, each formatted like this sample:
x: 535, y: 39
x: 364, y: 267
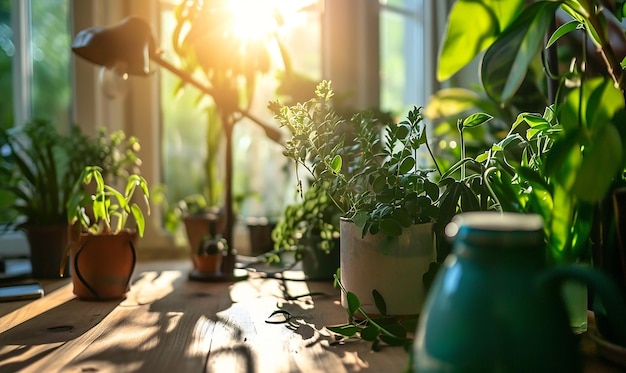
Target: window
x: 261, y: 174
x: 172, y: 129
x: 34, y: 73
x: 402, y: 57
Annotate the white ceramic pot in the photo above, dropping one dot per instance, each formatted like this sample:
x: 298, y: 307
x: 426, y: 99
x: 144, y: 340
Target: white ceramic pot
x: 392, y: 265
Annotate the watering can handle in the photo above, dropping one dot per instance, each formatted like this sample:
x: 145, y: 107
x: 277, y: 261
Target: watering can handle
x: 608, y: 298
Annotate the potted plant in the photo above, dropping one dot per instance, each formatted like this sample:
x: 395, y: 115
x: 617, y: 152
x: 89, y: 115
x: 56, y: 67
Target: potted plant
x: 102, y: 247
x: 38, y: 174
x: 388, y: 204
x: 310, y: 230
x: 209, y: 255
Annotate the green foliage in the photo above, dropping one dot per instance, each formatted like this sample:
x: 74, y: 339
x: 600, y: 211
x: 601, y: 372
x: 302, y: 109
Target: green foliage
x: 42, y: 165
x: 467, y: 36
x: 368, y: 168
x: 380, y: 330
x: 561, y: 163
x: 315, y: 215
x: 194, y: 204
x: 110, y: 207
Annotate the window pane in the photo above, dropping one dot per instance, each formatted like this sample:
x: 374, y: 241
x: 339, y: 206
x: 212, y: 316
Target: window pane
x: 401, y: 56
x: 51, y: 90
x: 260, y: 170
x: 49, y: 87
x: 7, y: 49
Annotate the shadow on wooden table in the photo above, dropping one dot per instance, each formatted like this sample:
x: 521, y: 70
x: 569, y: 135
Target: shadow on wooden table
x: 167, y: 323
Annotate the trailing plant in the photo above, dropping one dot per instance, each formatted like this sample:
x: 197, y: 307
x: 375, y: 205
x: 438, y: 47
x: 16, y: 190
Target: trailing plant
x: 368, y: 169
x: 378, y: 330
x: 315, y: 215
x: 110, y: 208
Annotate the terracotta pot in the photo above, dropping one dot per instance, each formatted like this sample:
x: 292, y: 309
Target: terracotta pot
x: 102, y: 266
x: 394, y: 266
x: 47, y: 249
x: 197, y: 226
x: 208, y: 264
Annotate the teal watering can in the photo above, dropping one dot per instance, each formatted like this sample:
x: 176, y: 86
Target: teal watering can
x: 495, y: 307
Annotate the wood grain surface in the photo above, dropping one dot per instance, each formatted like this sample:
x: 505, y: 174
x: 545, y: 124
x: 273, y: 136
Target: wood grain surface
x: 170, y: 324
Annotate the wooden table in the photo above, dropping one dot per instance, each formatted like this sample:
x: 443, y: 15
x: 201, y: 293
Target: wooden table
x: 171, y: 324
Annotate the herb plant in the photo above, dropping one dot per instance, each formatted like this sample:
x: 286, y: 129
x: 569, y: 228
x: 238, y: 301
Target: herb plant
x: 368, y: 169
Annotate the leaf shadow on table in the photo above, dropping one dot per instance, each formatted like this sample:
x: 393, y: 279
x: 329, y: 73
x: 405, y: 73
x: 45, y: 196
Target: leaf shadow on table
x: 169, y: 324
x: 309, y: 314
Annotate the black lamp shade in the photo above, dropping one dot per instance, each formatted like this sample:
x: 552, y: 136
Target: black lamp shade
x: 130, y: 43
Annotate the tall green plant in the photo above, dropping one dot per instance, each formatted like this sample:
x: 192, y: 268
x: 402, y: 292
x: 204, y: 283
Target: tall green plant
x: 572, y: 156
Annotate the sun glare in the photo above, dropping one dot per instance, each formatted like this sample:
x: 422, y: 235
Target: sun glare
x: 255, y: 19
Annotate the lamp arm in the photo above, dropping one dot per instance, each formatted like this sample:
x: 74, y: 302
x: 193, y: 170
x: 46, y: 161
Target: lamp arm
x: 270, y: 132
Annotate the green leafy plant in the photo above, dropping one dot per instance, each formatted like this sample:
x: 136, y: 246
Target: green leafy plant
x: 368, y: 168
x: 194, y: 204
x: 110, y: 207
x: 567, y: 162
x: 42, y: 164
x: 378, y: 330
x: 315, y: 215
x: 554, y: 169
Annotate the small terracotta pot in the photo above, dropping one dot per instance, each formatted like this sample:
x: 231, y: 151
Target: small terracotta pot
x: 102, y: 266
x: 208, y: 264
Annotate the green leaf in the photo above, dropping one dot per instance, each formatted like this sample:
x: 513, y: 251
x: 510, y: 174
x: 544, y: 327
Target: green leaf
x: 380, y: 302
x: 564, y: 158
x: 345, y: 330
x: 600, y: 164
x: 353, y: 302
x: 564, y: 29
x: 506, y: 61
x: 370, y: 333
x: 476, y: 119
x: 605, y: 100
x: 407, y: 165
x: 336, y: 163
x: 390, y: 227
x: 467, y: 36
